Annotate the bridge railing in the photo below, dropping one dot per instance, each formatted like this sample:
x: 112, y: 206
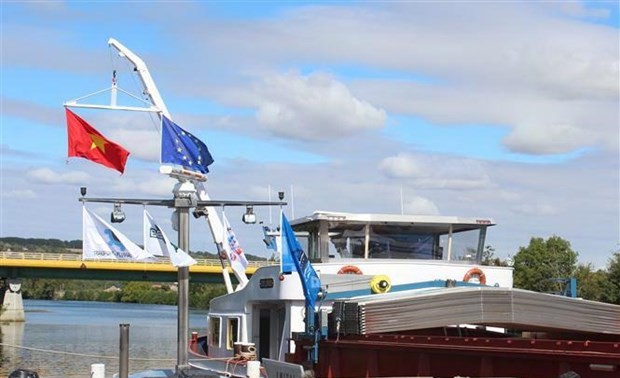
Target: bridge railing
x: 78, y: 257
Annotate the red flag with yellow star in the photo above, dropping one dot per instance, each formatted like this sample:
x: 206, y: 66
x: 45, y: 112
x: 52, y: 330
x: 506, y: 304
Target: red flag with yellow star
x: 88, y: 143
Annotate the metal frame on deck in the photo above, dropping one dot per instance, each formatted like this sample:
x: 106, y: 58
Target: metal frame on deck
x: 185, y: 197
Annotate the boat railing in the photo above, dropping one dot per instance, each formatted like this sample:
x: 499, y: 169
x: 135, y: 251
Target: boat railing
x: 276, y: 368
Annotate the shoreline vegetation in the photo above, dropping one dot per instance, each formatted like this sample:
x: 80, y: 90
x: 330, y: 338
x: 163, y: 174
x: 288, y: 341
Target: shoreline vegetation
x: 545, y: 265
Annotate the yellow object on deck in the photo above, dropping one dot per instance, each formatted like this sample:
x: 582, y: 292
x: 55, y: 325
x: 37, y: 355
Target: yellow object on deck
x: 380, y: 284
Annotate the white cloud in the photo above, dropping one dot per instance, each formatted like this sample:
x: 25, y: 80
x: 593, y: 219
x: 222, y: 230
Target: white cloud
x: 145, y: 183
x: 535, y: 210
x: 535, y: 138
x: 48, y: 176
x: 420, y: 206
x: 531, y: 67
x: 313, y: 107
x: 403, y: 166
x: 577, y: 9
x: 20, y: 194
x: 549, y: 80
x: 141, y: 144
x: 428, y: 171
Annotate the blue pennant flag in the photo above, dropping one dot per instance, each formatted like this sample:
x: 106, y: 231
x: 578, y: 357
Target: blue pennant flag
x: 182, y: 148
x: 292, y: 249
x: 270, y: 240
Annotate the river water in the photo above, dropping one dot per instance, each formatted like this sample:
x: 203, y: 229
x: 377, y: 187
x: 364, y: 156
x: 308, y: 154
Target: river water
x: 63, y: 338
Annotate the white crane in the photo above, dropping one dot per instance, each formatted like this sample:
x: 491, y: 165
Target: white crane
x: 152, y: 93
x: 190, y: 181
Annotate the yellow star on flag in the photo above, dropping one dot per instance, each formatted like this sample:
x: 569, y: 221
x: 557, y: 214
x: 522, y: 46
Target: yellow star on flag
x: 98, y: 142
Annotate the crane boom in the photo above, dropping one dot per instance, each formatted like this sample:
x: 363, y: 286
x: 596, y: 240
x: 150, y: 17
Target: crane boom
x: 150, y: 89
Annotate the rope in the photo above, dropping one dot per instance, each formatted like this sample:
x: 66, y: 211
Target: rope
x: 82, y: 354
x: 207, y: 358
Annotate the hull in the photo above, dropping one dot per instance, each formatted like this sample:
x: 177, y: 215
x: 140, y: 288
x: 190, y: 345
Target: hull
x: 449, y: 356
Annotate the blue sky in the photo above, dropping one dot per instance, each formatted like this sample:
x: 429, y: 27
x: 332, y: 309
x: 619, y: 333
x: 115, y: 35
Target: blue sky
x: 506, y: 110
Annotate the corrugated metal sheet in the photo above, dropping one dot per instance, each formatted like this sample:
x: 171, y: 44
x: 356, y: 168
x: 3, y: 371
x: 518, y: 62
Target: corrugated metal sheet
x: 491, y: 306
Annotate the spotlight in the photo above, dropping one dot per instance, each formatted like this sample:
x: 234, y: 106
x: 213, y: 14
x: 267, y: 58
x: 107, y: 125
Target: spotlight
x: 281, y: 195
x: 249, y: 217
x: 200, y: 212
x: 117, y: 215
x: 83, y: 191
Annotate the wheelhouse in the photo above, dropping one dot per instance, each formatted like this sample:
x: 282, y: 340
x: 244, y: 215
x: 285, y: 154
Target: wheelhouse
x: 330, y: 236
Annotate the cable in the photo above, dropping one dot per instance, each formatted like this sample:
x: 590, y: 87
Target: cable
x: 82, y: 354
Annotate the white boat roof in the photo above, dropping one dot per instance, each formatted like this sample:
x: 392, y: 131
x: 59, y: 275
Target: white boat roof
x: 435, y: 221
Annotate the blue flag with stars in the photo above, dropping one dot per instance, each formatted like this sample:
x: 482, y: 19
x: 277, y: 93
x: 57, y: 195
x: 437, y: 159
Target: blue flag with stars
x: 182, y: 148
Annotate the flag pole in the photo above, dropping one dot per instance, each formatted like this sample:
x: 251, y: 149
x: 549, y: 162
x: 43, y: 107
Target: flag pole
x: 225, y: 274
x: 269, y: 198
x: 184, y: 196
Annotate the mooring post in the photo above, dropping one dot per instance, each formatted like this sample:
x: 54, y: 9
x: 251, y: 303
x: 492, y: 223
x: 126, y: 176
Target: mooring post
x: 97, y: 371
x: 123, y: 363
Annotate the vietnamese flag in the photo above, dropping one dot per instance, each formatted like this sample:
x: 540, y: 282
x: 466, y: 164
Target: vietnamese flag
x: 88, y: 143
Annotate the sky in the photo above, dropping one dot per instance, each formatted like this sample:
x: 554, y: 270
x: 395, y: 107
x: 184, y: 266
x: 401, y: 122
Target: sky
x: 506, y: 110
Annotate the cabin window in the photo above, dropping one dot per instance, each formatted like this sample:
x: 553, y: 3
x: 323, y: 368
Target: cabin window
x: 399, y: 242
x: 308, y: 242
x: 232, y: 332
x: 214, y: 331
x: 347, y: 243
x: 464, y: 246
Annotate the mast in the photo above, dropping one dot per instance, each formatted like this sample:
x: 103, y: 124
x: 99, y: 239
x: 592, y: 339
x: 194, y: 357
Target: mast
x: 189, y: 186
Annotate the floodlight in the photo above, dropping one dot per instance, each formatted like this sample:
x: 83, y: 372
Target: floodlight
x: 200, y: 211
x: 249, y: 217
x: 117, y: 215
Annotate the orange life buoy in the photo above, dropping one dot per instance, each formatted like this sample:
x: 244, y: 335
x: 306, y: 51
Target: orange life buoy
x: 350, y: 269
x: 482, y: 278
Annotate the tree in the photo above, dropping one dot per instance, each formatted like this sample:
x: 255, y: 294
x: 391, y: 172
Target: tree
x: 40, y: 289
x: 613, y: 275
x: 201, y: 294
x: 489, y: 258
x: 594, y: 285
x: 538, y: 265
x: 136, y: 292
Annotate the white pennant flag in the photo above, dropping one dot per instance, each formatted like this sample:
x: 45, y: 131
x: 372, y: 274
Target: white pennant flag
x: 233, y: 249
x: 102, y: 241
x: 158, y: 244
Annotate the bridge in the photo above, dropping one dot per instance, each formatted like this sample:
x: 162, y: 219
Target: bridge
x: 16, y: 265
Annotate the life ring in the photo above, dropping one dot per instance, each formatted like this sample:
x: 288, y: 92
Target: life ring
x: 473, y: 272
x: 350, y: 269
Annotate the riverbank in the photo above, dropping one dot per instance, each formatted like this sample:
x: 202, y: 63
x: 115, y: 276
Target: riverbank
x: 118, y: 291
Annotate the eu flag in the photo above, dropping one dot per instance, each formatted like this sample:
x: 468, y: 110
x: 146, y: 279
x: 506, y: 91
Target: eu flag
x: 182, y: 148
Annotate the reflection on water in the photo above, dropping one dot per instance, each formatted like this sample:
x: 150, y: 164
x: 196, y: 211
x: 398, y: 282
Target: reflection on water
x: 12, y: 334
x: 90, y: 330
